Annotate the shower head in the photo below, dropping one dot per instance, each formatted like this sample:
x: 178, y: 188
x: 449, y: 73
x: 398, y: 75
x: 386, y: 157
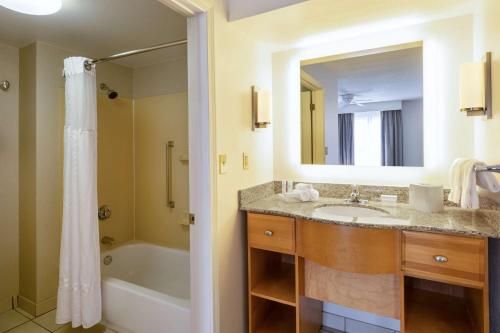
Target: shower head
x: 112, y: 94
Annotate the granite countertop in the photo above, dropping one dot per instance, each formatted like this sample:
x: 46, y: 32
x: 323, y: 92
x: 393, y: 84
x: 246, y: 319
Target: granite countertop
x: 399, y: 216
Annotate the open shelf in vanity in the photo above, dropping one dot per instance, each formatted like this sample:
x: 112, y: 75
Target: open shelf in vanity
x: 438, y: 308
x: 272, y: 291
x: 432, y: 283
x: 272, y: 276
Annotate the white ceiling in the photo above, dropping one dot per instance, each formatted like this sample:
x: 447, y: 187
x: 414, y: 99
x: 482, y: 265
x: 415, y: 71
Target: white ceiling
x: 387, y: 76
x: 321, y: 21
x: 99, y: 28
x: 238, y: 9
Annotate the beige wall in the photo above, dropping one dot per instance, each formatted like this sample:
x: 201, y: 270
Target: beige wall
x: 160, y: 115
x: 240, y: 62
x: 160, y: 79
x: 9, y: 183
x: 158, y: 120
x: 115, y: 166
x: 27, y: 177
x: 41, y: 128
x: 487, y: 37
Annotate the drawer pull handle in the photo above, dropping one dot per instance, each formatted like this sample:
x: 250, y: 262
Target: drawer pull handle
x: 268, y: 233
x: 440, y: 259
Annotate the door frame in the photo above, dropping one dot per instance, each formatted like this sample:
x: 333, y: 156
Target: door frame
x: 202, y: 174
x: 318, y: 149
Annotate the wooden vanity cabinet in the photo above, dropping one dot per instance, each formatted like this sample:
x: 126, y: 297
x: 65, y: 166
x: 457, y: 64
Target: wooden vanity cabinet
x: 433, y: 283
x: 445, y: 285
x: 449, y: 259
x: 275, y: 279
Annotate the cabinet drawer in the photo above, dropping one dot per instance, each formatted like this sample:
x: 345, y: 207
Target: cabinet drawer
x: 275, y: 233
x: 451, y: 259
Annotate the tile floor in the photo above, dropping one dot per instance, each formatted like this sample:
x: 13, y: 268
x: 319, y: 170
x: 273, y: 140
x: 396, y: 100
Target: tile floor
x: 18, y: 321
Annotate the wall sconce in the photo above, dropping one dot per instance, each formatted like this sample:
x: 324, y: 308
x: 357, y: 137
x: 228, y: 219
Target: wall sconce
x: 261, y: 110
x: 475, y: 88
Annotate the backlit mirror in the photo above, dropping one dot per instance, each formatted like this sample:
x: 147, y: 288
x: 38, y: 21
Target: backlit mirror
x: 363, y: 108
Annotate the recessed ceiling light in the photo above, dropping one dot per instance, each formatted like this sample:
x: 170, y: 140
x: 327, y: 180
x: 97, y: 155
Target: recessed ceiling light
x: 33, y: 7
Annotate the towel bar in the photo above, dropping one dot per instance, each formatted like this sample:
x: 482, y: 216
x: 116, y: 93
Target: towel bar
x: 490, y: 168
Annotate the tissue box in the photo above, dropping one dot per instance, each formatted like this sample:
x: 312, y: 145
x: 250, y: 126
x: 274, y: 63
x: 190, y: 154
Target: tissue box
x: 426, y: 198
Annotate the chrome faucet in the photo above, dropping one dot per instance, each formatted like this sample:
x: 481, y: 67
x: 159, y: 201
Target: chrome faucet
x: 354, y: 195
x: 106, y: 240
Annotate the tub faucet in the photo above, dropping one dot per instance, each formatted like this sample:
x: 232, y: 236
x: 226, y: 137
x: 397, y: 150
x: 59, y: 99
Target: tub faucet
x: 106, y: 240
x: 354, y: 195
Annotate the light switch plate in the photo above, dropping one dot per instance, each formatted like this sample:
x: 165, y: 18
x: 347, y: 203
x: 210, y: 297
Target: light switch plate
x: 222, y: 164
x: 246, y: 162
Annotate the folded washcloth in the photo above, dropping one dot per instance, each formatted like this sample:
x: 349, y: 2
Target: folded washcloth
x: 464, y: 180
x: 302, y: 192
x: 302, y: 186
x: 302, y: 195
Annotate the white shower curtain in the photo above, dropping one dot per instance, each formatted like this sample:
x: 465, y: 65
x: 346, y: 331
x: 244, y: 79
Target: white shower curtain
x: 79, y: 294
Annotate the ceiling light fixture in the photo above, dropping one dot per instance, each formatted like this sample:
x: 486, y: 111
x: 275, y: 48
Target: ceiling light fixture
x: 32, y: 7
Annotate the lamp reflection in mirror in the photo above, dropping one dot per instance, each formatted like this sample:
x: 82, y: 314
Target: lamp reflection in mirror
x: 475, y: 88
x: 261, y: 110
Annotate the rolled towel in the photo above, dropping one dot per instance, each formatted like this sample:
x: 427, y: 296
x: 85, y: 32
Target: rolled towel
x: 302, y: 195
x: 487, y: 180
x: 314, y: 195
x: 303, y: 186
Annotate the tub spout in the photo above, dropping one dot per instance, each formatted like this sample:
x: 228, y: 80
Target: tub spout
x: 106, y: 240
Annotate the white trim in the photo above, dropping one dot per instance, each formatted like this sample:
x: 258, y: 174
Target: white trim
x: 188, y: 7
x: 308, y: 81
x: 202, y: 176
x: 201, y: 173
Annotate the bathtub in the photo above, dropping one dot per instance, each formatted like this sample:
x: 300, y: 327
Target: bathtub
x: 145, y: 289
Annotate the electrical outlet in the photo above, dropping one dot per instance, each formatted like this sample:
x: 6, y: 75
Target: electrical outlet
x: 222, y: 164
x: 246, y: 162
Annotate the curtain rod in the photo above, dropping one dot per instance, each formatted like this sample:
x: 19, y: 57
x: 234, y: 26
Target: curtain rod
x: 88, y: 63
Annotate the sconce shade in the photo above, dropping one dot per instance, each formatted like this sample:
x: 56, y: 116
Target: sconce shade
x: 261, y: 109
x: 472, y: 87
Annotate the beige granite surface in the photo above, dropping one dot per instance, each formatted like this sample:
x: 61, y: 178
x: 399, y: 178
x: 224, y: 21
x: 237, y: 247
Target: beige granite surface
x: 368, y: 192
x: 397, y: 215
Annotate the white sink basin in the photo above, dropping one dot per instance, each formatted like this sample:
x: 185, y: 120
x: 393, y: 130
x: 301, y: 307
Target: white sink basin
x: 350, y: 211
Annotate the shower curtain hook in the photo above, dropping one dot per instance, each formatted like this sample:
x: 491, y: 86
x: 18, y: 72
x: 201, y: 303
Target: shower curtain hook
x: 87, y: 64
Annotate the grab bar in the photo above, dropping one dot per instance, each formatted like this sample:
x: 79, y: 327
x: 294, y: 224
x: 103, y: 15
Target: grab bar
x: 170, y: 201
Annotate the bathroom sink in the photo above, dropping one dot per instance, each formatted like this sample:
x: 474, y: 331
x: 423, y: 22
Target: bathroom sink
x: 350, y: 211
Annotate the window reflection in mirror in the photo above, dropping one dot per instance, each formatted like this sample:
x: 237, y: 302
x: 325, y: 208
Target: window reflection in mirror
x: 364, y: 108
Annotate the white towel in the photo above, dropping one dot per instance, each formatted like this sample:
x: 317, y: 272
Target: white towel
x: 464, y: 180
x: 302, y: 192
x: 463, y: 183
x: 456, y: 181
x: 302, y: 186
